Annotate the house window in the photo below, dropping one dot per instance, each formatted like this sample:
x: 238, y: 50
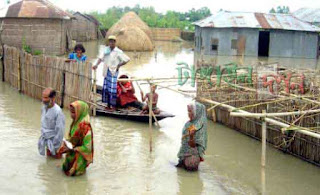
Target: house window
x: 234, y: 44
x: 214, y: 44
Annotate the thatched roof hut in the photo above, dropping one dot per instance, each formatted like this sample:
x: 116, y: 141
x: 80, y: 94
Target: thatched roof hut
x: 132, y: 33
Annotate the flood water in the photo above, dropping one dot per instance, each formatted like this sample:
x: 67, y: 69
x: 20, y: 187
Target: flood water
x: 122, y: 161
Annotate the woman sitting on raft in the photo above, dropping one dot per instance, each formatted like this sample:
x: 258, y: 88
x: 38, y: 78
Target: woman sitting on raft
x: 194, y: 138
x: 125, y: 94
x: 78, y: 54
x: 80, y: 155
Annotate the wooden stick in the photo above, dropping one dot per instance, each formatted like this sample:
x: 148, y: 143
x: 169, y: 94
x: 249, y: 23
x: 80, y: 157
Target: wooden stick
x: 94, y: 92
x: 19, y: 75
x: 153, y: 115
x: 302, y: 130
x: 263, y: 181
x: 138, y: 86
x: 150, y: 115
x: 264, y: 141
x: 259, y: 115
x: 155, y: 119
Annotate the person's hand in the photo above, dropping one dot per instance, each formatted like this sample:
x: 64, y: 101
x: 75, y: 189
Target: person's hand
x: 94, y: 67
x: 192, y: 143
x: 192, y: 130
x: 124, y: 90
x: 62, y: 149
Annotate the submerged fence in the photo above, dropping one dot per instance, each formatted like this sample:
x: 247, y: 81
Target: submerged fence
x: 237, y: 96
x: 31, y: 74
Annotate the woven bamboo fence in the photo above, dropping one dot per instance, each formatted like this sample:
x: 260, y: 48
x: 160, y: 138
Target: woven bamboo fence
x: 32, y: 74
x: 254, y: 99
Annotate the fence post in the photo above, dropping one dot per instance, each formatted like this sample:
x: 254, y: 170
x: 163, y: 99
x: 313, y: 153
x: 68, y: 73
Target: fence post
x: 264, y: 140
x: 63, y: 88
x: 2, y: 63
x: 150, y: 115
x: 95, y: 92
x: 19, y: 72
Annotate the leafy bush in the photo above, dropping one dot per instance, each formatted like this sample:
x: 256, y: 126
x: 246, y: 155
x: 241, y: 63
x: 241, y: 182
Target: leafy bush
x: 37, y: 52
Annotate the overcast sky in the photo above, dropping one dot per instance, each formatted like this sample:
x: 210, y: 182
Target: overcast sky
x: 185, y: 5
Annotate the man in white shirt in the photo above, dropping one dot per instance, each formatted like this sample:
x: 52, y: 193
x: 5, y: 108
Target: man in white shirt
x: 113, y: 59
x: 52, y: 125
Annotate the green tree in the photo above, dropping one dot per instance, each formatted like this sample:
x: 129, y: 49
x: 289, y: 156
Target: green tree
x: 171, y: 19
x: 281, y: 10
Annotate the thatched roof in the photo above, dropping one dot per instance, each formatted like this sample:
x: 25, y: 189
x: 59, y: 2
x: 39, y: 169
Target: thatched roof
x: 132, y: 33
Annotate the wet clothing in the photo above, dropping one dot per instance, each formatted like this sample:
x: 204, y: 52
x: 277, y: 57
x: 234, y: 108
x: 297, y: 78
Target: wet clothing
x: 128, y: 99
x: 111, y: 59
x: 186, y: 151
x: 109, y: 89
x: 73, y: 56
x: 81, y: 137
x: 52, y: 129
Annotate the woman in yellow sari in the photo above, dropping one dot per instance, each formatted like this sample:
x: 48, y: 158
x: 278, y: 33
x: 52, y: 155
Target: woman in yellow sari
x: 81, y: 137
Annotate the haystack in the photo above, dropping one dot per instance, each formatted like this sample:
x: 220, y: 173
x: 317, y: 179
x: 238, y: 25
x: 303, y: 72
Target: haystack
x: 132, y: 33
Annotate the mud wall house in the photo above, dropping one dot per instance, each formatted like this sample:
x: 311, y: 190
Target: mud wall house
x: 38, y: 24
x: 85, y: 27
x: 256, y: 34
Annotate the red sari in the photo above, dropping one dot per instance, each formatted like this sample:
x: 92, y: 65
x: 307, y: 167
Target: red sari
x: 125, y: 97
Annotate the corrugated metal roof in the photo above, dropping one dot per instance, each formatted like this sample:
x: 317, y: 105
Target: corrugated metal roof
x: 33, y: 9
x: 89, y: 17
x: 311, y: 15
x: 226, y: 19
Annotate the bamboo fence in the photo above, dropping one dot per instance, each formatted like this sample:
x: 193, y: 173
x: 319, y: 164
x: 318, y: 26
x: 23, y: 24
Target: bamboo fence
x: 32, y: 74
x: 293, y: 118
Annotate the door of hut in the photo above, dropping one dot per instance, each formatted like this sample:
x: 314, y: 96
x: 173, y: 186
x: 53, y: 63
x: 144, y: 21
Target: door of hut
x: 241, y: 45
x: 264, y: 40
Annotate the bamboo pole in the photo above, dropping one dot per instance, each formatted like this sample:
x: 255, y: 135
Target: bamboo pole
x: 63, y: 89
x: 263, y: 180
x: 19, y: 74
x: 264, y: 141
x: 259, y: 115
x: 269, y: 120
x: 2, y: 63
x: 155, y: 119
x: 94, y: 92
x: 153, y: 115
x: 150, y: 115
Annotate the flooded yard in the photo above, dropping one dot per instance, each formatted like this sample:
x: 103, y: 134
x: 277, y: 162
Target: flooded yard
x: 122, y: 161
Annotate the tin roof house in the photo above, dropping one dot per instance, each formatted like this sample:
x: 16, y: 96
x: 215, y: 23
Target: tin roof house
x: 256, y: 34
x: 310, y: 15
x: 38, y: 24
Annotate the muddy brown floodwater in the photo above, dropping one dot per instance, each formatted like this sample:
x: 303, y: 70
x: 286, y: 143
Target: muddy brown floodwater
x: 122, y: 162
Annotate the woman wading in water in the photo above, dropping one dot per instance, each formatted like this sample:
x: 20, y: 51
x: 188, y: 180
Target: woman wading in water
x: 194, y: 138
x: 80, y: 154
